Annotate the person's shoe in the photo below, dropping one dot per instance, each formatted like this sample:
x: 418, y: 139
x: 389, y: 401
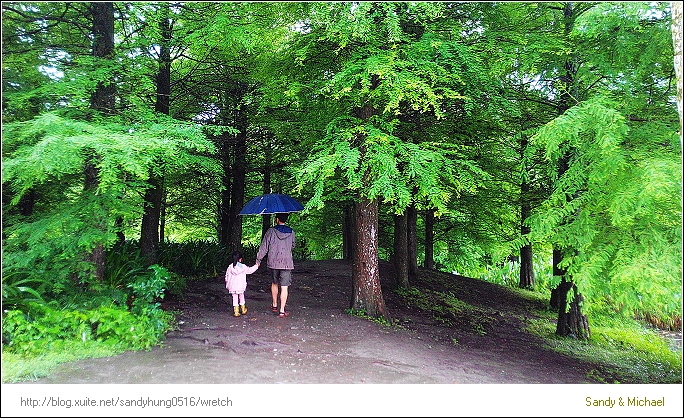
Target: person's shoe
x: 243, y: 309
x: 236, y: 311
x: 283, y: 314
x: 274, y: 309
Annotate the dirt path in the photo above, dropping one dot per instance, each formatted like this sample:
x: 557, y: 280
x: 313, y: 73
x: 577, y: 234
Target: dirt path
x: 325, y: 362
x: 320, y: 343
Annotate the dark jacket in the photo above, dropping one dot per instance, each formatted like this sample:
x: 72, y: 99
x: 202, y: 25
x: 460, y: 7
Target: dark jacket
x: 278, y: 243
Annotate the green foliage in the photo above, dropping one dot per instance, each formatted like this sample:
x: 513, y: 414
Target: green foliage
x: 31, y: 335
x: 397, y: 172
x: 46, y: 156
x: 400, y: 67
x: 361, y: 313
x: 195, y: 258
x: 508, y: 273
x: 447, y: 308
x: 617, y: 208
x: 20, y: 291
x: 453, y: 87
x: 626, y: 350
x: 147, y: 290
x: 20, y: 368
x: 124, y: 265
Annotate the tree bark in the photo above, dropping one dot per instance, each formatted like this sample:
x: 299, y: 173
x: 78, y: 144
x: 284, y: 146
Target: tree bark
x: 567, y: 99
x: 104, y: 96
x: 526, y: 265
x: 237, y: 195
x: 103, y: 99
x: 400, y: 255
x: 162, y: 217
x: 571, y: 321
x: 429, y: 239
x: 227, y: 183
x: 96, y: 257
x: 266, y: 219
x: 152, y: 201
x: 27, y: 202
x: 412, y: 256
x: 367, y: 293
x: 118, y: 226
x: 149, y: 230
x: 348, y: 232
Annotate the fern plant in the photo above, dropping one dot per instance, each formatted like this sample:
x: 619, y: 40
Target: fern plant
x: 617, y: 207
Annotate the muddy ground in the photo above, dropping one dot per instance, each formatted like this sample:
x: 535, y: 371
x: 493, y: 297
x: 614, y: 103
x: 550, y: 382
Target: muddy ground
x: 320, y: 343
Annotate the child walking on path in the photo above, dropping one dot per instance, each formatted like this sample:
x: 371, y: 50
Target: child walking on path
x: 236, y: 282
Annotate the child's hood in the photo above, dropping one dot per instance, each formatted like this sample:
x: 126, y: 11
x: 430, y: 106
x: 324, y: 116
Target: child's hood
x: 236, y: 269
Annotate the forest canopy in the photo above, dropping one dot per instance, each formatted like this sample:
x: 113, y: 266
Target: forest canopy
x: 538, y: 142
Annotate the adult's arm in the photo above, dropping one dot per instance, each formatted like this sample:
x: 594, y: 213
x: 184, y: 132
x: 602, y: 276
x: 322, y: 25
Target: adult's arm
x: 263, y: 248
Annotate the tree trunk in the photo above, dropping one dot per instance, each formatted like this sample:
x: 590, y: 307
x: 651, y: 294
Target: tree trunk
x: 27, y: 202
x: 162, y: 215
x: 237, y: 195
x: 118, y: 226
x: 266, y: 219
x: 555, y: 301
x: 366, y: 289
x: 429, y: 239
x: 348, y: 232
x: 568, y: 320
x: 104, y: 96
x: 526, y: 265
x: 412, y: 256
x: 400, y: 255
x: 226, y: 182
x: 103, y: 99
x: 367, y: 293
x: 571, y: 321
x: 96, y: 256
x: 149, y: 231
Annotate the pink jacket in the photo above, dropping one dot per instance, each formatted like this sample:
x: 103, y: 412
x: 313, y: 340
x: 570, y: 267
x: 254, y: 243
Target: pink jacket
x: 236, y: 277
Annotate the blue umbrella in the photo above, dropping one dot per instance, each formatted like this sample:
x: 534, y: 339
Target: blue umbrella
x: 267, y: 204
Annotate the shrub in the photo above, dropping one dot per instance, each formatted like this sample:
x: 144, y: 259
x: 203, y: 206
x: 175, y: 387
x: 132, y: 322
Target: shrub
x: 34, y: 334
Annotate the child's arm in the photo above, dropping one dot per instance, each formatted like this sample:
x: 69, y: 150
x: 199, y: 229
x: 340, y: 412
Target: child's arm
x: 252, y: 269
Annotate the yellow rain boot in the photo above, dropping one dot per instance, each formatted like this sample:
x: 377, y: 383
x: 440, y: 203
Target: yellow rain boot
x: 243, y: 309
x: 236, y: 311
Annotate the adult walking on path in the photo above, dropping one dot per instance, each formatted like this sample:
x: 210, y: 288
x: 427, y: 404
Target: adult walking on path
x: 277, y: 246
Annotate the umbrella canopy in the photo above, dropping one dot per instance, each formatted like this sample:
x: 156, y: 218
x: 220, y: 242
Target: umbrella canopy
x: 267, y: 204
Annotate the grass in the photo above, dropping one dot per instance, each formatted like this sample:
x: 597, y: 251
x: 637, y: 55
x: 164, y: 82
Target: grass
x: 361, y: 313
x: 625, y: 352
x: 447, y: 309
x: 624, y: 349
x: 21, y: 368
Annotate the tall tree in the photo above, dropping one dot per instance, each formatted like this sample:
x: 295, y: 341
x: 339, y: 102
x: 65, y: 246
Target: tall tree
x: 86, y: 133
x: 380, y: 59
x: 400, y: 255
x: 412, y: 240
x: 103, y: 100
x: 152, y: 202
x: 429, y: 239
x: 612, y: 58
